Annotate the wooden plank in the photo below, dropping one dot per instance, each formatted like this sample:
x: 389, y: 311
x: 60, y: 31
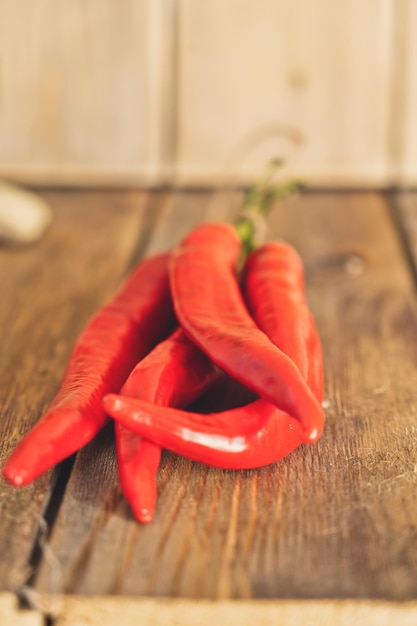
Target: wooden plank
x: 127, y: 92
x: 364, y: 301
x: 85, y: 97
x: 323, y: 67
x: 11, y: 614
x: 93, y: 500
x: 334, y: 520
x: 404, y: 205
x: 407, y: 97
x: 50, y: 291
x: 106, y: 611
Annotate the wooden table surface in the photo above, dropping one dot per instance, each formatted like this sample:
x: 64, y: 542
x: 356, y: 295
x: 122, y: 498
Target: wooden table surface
x: 328, y: 533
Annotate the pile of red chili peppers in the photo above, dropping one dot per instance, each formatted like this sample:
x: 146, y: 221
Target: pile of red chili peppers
x: 181, y: 323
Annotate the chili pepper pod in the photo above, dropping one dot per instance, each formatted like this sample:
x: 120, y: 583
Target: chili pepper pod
x: 210, y: 308
x: 174, y: 373
x: 246, y: 437
x: 273, y: 285
x: 119, y: 334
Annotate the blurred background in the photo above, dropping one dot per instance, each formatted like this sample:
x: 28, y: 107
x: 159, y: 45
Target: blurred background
x: 201, y: 92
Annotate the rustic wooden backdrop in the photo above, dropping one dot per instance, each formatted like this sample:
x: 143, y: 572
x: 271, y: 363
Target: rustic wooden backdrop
x: 155, y: 91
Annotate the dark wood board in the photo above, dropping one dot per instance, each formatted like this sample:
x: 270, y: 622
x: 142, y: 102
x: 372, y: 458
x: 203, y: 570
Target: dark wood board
x: 93, y: 494
x: 49, y: 291
x: 333, y: 520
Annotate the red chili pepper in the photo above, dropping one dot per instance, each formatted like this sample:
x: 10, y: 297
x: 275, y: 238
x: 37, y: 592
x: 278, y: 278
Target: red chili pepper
x: 174, y: 374
x: 117, y: 336
x: 259, y: 433
x: 251, y: 436
x: 275, y: 294
x: 211, y: 310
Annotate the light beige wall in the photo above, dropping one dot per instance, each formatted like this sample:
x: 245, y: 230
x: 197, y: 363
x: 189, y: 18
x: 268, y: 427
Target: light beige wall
x: 80, y: 85
x: 195, y: 91
x: 408, y: 145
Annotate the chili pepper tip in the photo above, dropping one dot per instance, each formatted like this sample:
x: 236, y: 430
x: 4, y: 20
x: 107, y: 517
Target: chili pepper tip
x: 144, y: 516
x: 313, y: 435
x: 17, y: 479
x: 112, y: 400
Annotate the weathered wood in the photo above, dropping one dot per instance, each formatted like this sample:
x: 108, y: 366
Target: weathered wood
x: 108, y: 610
x: 336, y: 520
x: 93, y: 500
x: 85, y: 96
x: 404, y: 95
x: 50, y: 290
x: 286, y: 66
x: 404, y: 207
x: 11, y: 614
x: 333, y: 520
x: 363, y: 297
x: 125, y: 91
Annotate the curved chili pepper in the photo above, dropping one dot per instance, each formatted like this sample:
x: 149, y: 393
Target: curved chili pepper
x: 211, y: 310
x: 274, y: 291
x: 174, y: 374
x: 251, y: 436
x: 118, y: 335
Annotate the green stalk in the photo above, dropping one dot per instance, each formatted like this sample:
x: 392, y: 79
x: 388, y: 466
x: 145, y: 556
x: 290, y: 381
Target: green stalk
x: 259, y: 198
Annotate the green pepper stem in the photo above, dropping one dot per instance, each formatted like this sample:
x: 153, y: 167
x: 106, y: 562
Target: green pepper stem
x: 259, y: 198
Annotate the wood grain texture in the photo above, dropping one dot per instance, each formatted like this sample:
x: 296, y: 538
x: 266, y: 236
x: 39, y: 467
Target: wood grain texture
x: 50, y: 291
x: 78, y: 99
x: 106, y: 611
x: 333, y: 520
x: 127, y: 92
x: 407, y: 119
x: 404, y: 206
x: 323, y: 68
x: 12, y: 615
x: 93, y: 508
